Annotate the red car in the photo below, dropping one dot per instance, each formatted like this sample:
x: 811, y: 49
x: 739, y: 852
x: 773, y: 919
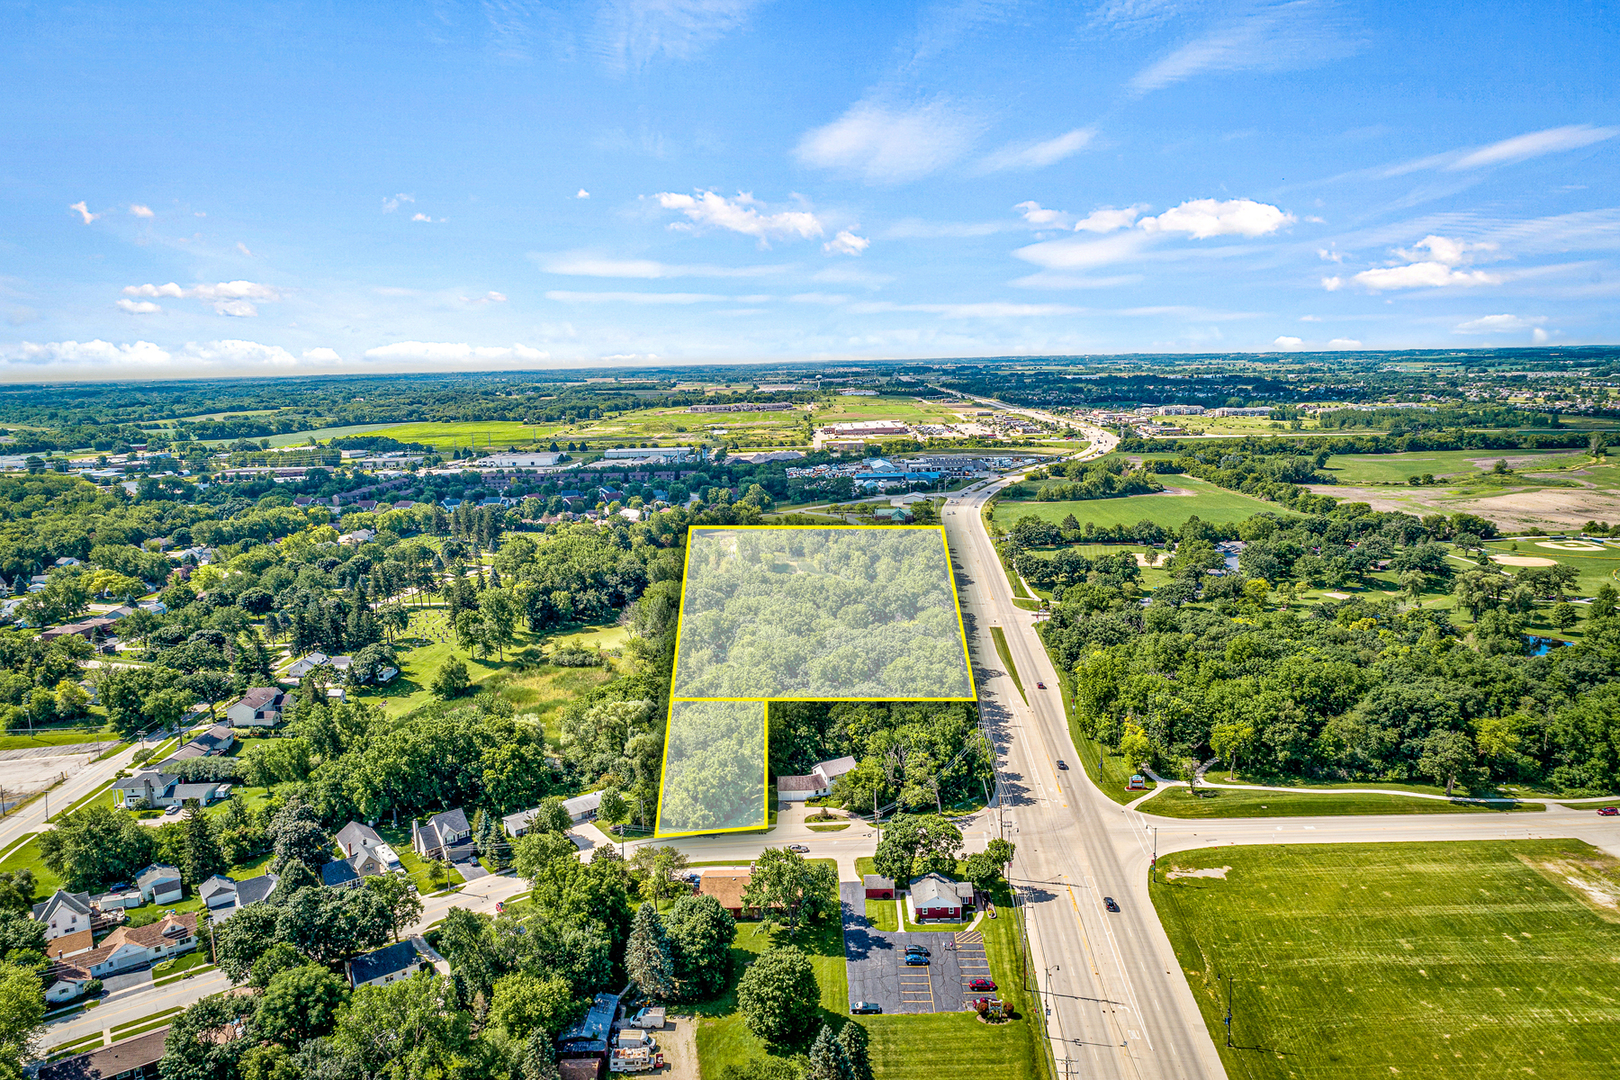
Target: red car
x: 1040, y: 686
x: 1609, y: 811
x: 982, y: 984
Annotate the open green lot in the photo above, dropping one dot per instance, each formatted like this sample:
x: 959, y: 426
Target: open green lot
x: 1395, y: 468
x: 1176, y: 802
x: 1598, y: 563
x: 1183, y: 497
x: 1434, y: 960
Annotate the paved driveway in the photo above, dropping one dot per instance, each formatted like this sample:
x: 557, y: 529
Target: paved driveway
x: 875, y: 961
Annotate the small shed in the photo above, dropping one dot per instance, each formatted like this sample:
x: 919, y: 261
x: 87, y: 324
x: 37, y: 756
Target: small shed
x: 878, y: 887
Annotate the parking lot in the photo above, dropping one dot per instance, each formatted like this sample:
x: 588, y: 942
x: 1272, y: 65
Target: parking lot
x: 877, y: 969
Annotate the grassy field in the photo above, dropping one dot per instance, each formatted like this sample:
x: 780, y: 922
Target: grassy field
x: 1596, y: 567
x: 1438, y: 960
x: 1177, y: 802
x: 1000, y: 638
x: 26, y: 856
x: 1395, y: 468
x: 883, y: 914
x: 55, y: 737
x: 1207, y: 501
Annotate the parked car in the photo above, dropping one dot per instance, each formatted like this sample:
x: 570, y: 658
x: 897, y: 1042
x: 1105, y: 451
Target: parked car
x: 1609, y: 811
x: 800, y: 848
x: 1064, y: 765
x: 1108, y: 902
x: 917, y: 950
x: 916, y: 960
x: 982, y: 984
x: 173, y: 810
x: 863, y: 1007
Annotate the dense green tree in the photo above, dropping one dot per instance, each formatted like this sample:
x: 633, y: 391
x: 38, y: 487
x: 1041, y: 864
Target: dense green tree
x: 778, y: 996
x: 96, y: 846
x: 647, y: 957
x: 408, y: 1029
x: 399, y: 899
x: 22, y: 1016
x: 300, y: 1004
x: 853, y: 1038
x: 701, y: 933
x: 828, y: 1061
x: 452, y: 679
x: 523, y: 1004
x: 240, y: 941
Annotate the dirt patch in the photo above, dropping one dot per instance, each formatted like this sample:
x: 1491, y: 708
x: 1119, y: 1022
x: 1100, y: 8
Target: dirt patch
x: 1159, y: 559
x: 1569, y: 545
x: 1523, y: 560
x: 1488, y: 463
x: 1172, y: 491
x: 1337, y: 595
x: 1208, y: 871
x: 1594, y: 881
x: 678, y: 1042
x: 1554, y: 508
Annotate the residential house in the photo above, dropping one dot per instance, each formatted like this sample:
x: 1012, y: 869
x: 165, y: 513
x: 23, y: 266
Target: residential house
x: 817, y: 785
x: 384, y: 966
x: 225, y: 896
x: 935, y: 896
x: 118, y: 898
x: 132, y: 1059
x: 445, y: 836
x: 79, y: 941
x: 125, y: 949
x: 359, y: 536
x: 365, y: 854
x: 877, y: 887
x: 583, y: 807
x: 726, y: 887
x: 310, y: 661
x: 156, y: 788
x: 215, y: 741
x: 159, y: 884
x: 259, y: 707
x: 64, y: 913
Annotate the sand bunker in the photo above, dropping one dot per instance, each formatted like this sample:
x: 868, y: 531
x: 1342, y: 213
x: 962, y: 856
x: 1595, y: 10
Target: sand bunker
x: 1523, y: 560
x: 1337, y: 595
x: 1208, y: 871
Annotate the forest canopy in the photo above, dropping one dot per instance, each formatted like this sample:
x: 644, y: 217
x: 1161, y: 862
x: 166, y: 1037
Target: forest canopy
x: 714, y: 767
x: 820, y: 614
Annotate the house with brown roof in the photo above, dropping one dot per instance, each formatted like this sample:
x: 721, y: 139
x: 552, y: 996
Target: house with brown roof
x: 727, y: 887
x: 132, y: 1059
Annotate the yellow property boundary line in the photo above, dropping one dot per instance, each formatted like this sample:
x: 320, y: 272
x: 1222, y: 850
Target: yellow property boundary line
x: 663, y: 773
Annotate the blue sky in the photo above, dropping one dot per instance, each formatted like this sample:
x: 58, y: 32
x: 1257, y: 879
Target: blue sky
x: 250, y: 189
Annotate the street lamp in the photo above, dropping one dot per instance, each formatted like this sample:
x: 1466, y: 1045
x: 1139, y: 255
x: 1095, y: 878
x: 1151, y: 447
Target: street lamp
x: 1228, y: 979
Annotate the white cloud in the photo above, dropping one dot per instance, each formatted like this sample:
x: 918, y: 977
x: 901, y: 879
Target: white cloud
x: 1333, y: 284
x: 889, y: 145
x: 1268, y: 37
x: 819, y: 298
x: 83, y: 211
x: 995, y: 309
x: 139, y: 307
x: 1442, y: 249
x: 103, y: 358
x: 323, y: 356
x: 568, y: 297
x: 171, y: 289
x: 1423, y: 275
x: 588, y: 264
x: 1534, y: 144
x: 1344, y: 343
x: 846, y: 243
x: 1497, y: 324
x: 852, y: 275
x: 420, y: 217
x: 582, y: 194
x: 1108, y: 219
x: 708, y: 209
x: 1040, y: 154
x: 1079, y: 254
x: 444, y: 352
x: 140, y: 211
x: 243, y: 248
x: 1047, y: 279
x: 630, y: 35
x: 1286, y: 342
x: 1203, y: 218
x: 1042, y: 217
x: 1538, y: 336
x: 228, y: 297
x: 392, y: 203
x: 1433, y: 263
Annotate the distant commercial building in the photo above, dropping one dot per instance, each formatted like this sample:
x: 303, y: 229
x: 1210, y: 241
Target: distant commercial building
x: 521, y: 459
x: 744, y: 406
x: 647, y: 453
x: 1181, y: 410
x: 1261, y: 410
x: 854, y: 428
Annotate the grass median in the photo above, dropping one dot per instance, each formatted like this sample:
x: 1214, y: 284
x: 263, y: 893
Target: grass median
x: 1177, y: 802
x: 1440, y: 960
x: 998, y: 636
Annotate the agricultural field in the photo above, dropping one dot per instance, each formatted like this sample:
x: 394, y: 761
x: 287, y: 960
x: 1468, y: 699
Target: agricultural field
x: 1395, y: 468
x: 1438, y: 960
x: 1183, y: 497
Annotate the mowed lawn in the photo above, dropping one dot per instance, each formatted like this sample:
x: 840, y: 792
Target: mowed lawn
x: 1395, y: 468
x: 1435, y: 960
x: 1218, y: 803
x: 1170, y: 510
